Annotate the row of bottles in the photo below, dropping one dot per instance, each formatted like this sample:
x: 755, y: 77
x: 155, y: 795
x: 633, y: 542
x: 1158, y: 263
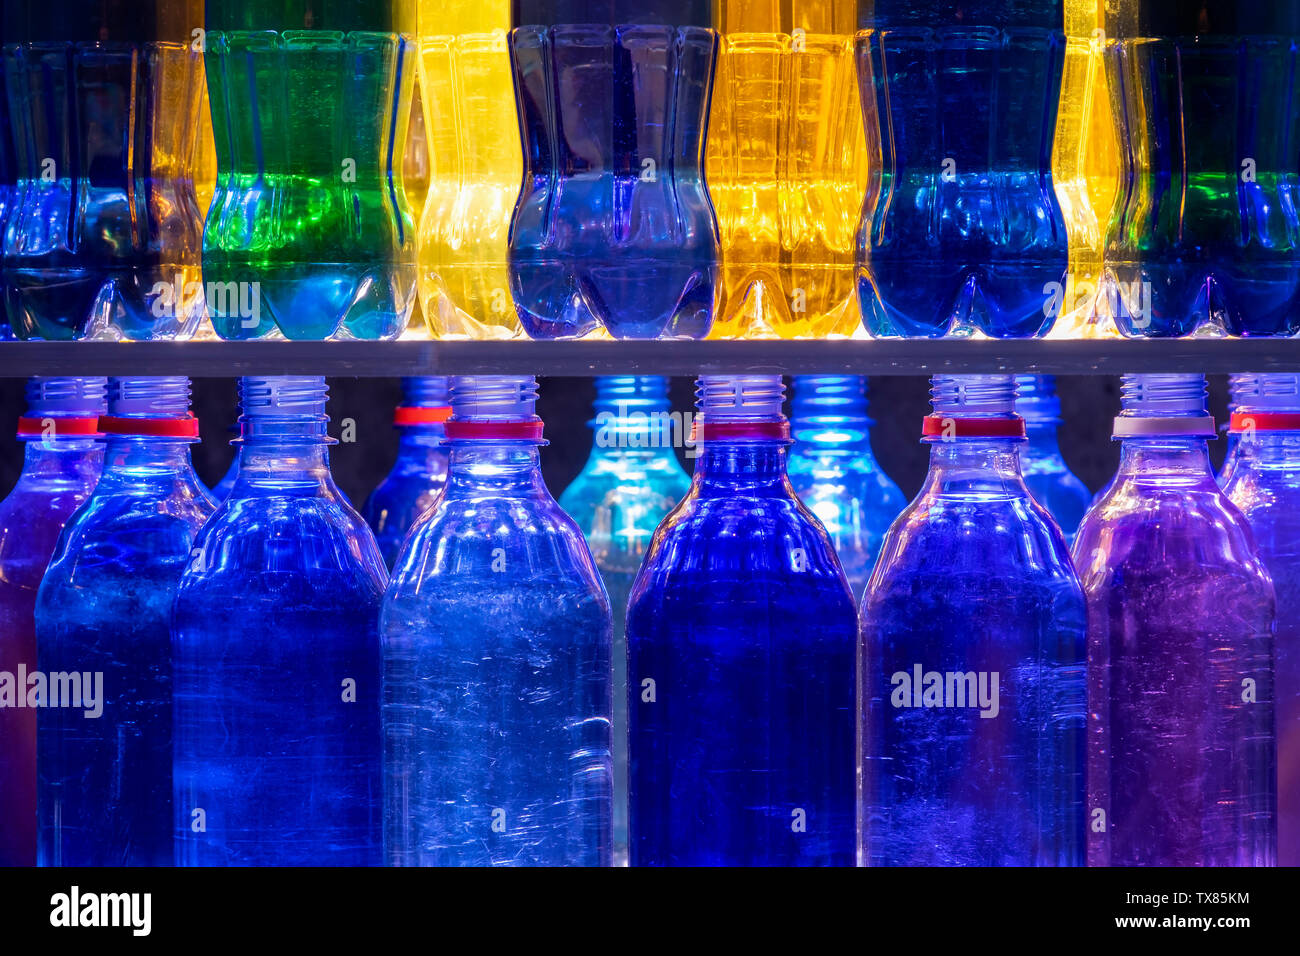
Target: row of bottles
x: 244, y: 682
x: 673, y: 168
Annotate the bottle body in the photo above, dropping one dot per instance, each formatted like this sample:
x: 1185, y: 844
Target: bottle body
x: 964, y: 231
x: 310, y: 233
x: 1204, y: 232
x: 472, y: 130
x: 276, y: 661
x: 971, y: 674
x: 613, y: 229
x: 104, y: 609
x: 103, y: 236
x: 787, y: 169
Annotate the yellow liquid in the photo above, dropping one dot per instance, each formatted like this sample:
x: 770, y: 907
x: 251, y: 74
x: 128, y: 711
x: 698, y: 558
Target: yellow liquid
x: 787, y: 168
x: 475, y: 167
x: 1086, y: 159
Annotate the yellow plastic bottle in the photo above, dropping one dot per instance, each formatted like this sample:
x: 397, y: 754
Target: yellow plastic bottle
x: 787, y: 168
x: 1086, y: 159
x: 475, y: 168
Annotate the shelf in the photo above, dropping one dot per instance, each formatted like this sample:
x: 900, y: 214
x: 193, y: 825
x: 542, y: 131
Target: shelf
x: 200, y: 359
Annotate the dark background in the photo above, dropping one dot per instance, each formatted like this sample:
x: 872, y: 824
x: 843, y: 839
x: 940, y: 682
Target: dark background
x: 1088, y: 404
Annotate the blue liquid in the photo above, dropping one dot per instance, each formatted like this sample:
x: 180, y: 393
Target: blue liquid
x: 965, y: 229
x: 614, y: 228
x: 743, y: 621
x: 105, y: 788
x: 1046, y: 474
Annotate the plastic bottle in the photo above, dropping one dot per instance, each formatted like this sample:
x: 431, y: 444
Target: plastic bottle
x: 496, y: 659
x: 310, y: 234
x: 1046, y: 474
x: 613, y: 230
x: 787, y: 167
x: 275, y: 655
x: 104, y: 614
x: 1238, y: 384
x: 103, y: 237
x: 629, y: 483
x: 60, y: 467
x: 1265, y: 485
x: 835, y: 472
x: 420, y: 471
x: 1206, y: 232
x: 1181, y: 758
x: 8, y: 177
x: 476, y: 167
x: 971, y: 665
x: 965, y: 231
x: 740, y: 633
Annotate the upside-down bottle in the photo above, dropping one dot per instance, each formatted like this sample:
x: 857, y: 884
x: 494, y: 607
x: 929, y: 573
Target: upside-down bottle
x: 1048, y: 477
x: 835, y: 472
x: 965, y: 232
x: 1181, y: 757
x: 310, y: 234
x: 787, y: 167
x: 275, y: 656
x: 613, y: 230
x: 104, y: 613
x: 740, y: 634
x: 103, y: 238
x: 1265, y: 485
x: 629, y: 483
x: 475, y: 168
x: 971, y: 688
x: 420, y: 471
x: 60, y: 467
x: 496, y: 659
x: 1206, y: 232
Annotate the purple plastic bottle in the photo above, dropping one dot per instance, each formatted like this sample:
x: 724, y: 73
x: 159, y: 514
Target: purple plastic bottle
x: 60, y: 468
x: 1181, y: 756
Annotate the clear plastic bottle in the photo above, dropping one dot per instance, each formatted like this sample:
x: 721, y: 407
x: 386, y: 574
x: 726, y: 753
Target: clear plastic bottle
x: 60, y: 467
x: 496, y: 659
x: 475, y: 168
x: 964, y: 231
x: 1239, y: 383
x: 1046, y: 474
x: 103, y: 238
x: 613, y: 230
x: 1206, y: 233
x: 1181, y: 757
x: 740, y: 633
x: 104, y: 609
x: 787, y: 167
x: 835, y: 472
x: 420, y: 471
x: 310, y: 234
x: 1265, y: 485
x: 629, y: 483
x: 971, y: 666
x: 275, y: 655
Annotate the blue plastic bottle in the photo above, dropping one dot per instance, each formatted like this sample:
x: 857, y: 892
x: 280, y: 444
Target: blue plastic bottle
x: 104, y: 612
x: 496, y: 659
x: 60, y: 467
x: 1181, y: 757
x: 740, y: 633
x: 1239, y: 383
x: 629, y: 483
x: 835, y: 472
x: 1265, y: 485
x: 1046, y: 474
x: 275, y: 651
x: 420, y: 471
x: 971, y: 673
x: 8, y: 175
x: 961, y: 230
x: 614, y: 228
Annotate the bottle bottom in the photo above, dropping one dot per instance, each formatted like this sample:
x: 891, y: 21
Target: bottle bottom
x: 1178, y: 299
x: 137, y: 303
x: 786, y: 301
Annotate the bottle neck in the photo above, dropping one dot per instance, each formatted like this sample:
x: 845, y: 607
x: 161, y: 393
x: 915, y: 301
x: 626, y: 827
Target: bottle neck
x: 975, y: 466
x: 1269, y: 450
x: 495, y: 468
x: 1043, y: 441
x: 754, y: 466
x: 56, y: 459
x: 1165, y: 459
x: 419, y: 440
x: 134, y: 457
x: 275, y: 457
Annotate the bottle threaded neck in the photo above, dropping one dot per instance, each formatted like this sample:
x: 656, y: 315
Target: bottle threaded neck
x: 493, y: 397
x: 281, y: 396
x: 1163, y: 405
x: 1272, y: 392
x: 1239, y: 384
x: 739, y: 399
x: 832, y: 398
x: 149, y: 397
x: 1036, y: 399
x: 67, y: 397
x: 973, y: 396
x: 622, y: 395
x: 425, y: 391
